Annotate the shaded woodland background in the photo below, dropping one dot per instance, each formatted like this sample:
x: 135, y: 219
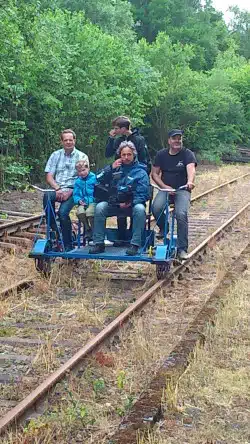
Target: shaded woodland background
x: 78, y: 63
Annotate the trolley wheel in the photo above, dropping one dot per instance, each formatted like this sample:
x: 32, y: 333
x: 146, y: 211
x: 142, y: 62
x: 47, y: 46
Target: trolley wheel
x: 43, y: 266
x: 162, y: 270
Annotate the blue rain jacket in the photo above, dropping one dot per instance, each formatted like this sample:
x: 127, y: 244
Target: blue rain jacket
x: 84, y: 189
x: 128, y: 183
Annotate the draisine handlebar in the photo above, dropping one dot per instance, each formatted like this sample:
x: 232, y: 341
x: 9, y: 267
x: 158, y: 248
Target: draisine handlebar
x: 41, y: 189
x: 183, y: 187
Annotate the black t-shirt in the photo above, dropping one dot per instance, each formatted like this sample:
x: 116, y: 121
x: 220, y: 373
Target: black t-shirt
x: 173, y: 166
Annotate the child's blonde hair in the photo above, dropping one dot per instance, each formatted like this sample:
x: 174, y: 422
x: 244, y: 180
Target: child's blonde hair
x: 82, y: 164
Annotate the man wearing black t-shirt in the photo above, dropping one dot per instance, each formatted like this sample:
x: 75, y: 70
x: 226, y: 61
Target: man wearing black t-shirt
x: 174, y: 167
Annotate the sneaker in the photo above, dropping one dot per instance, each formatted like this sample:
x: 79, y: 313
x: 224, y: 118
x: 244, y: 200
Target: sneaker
x: 132, y: 250
x: 160, y: 234
x: 182, y: 255
x: 108, y: 243
x: 97, y: 249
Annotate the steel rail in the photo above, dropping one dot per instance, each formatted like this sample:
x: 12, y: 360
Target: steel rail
x: 21, y: 285
x: 11, y: 227
x: 16, y: 213
x: 18, y: 411
x: 200, y: 196
x: 148, y: 410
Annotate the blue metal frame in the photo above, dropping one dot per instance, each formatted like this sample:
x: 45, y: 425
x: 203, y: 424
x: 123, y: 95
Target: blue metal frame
x: 167, y: 252
x: 53, y: 247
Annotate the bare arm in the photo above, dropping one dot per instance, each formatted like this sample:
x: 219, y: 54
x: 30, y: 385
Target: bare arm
x: 51, y: 181
x: 156, y: 176
x: 190, y: 175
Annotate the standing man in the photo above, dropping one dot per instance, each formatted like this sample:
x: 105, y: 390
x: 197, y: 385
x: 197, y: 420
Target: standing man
x: 122, y: 132
x: 61, y: 175
x: 174, y: 167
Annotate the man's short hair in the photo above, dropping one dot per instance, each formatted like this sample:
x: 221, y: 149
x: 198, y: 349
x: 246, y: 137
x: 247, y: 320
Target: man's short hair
x: 82, y: 164
x: 122, y: 122
x: 68, y: 131
x: 124, y: 145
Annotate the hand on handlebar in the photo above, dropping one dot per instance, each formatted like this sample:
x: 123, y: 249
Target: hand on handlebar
x: 171, y: 191
x: 190, y: 186
x: 166, y: 188
x: 59, y: 195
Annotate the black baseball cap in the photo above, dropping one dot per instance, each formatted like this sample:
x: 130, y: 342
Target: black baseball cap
x: 175, y: 132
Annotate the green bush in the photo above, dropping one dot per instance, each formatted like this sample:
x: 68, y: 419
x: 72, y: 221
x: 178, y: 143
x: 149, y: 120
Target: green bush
x: 13, y: 174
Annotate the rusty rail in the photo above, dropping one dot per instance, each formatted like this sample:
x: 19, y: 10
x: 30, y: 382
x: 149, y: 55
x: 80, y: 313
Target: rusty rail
x: 18, y: 411
x: 11, y: 227
x: 29, y: 221
x: 148, y: 408
x: 19, y: 286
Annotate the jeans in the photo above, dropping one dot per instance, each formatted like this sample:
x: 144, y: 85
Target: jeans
x: 63, y: 215
x: 104, y: 210
x: 181, y: 202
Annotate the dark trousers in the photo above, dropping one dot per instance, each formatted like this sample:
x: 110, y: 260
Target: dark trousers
x: 63, y: 215
x: 122, y: 227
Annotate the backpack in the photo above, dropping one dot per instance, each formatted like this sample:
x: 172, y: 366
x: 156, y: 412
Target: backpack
x: 148, y: 160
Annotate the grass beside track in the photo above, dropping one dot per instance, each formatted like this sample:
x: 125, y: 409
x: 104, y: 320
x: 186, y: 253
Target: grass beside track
x: 211, y: 404
x: 107, y: 389
x: 89, y: 405
x: 207, y: 178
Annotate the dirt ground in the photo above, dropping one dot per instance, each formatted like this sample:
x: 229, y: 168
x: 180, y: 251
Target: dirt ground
x: 26, y: 201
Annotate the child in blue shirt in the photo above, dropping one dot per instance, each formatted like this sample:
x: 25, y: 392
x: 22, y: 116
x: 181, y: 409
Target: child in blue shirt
x: 83, y: 196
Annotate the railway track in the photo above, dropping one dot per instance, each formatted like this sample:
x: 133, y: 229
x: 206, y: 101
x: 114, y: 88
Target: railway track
x: 33, y: 349
x: 13, y: 221
x: 150, y: 408
x: 17, y: 230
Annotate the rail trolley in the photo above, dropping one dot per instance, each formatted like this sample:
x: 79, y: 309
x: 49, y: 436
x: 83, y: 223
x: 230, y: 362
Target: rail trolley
x: 161, y: 254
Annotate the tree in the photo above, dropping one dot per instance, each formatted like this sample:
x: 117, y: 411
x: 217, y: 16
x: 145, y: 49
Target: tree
x: 113, y: 16
x: 187, y: 22
x: 205, y: 105
x: 240, y: 30
x: 81, y: 77
x: 12, y: 89
x: 241, y: 83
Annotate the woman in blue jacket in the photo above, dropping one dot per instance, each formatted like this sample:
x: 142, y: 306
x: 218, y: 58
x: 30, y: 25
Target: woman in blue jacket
x: 128, y: 185
x: 83, y: 196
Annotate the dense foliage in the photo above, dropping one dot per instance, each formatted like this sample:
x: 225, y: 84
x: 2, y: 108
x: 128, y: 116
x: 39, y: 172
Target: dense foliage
x: 80, y: 63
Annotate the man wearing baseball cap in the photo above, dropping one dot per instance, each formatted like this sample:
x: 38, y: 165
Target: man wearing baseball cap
x: 174, y: 167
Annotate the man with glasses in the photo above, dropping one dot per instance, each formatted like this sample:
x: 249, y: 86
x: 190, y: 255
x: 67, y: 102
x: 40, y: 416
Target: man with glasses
x: 174, y: 167
x: 61, y: 175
